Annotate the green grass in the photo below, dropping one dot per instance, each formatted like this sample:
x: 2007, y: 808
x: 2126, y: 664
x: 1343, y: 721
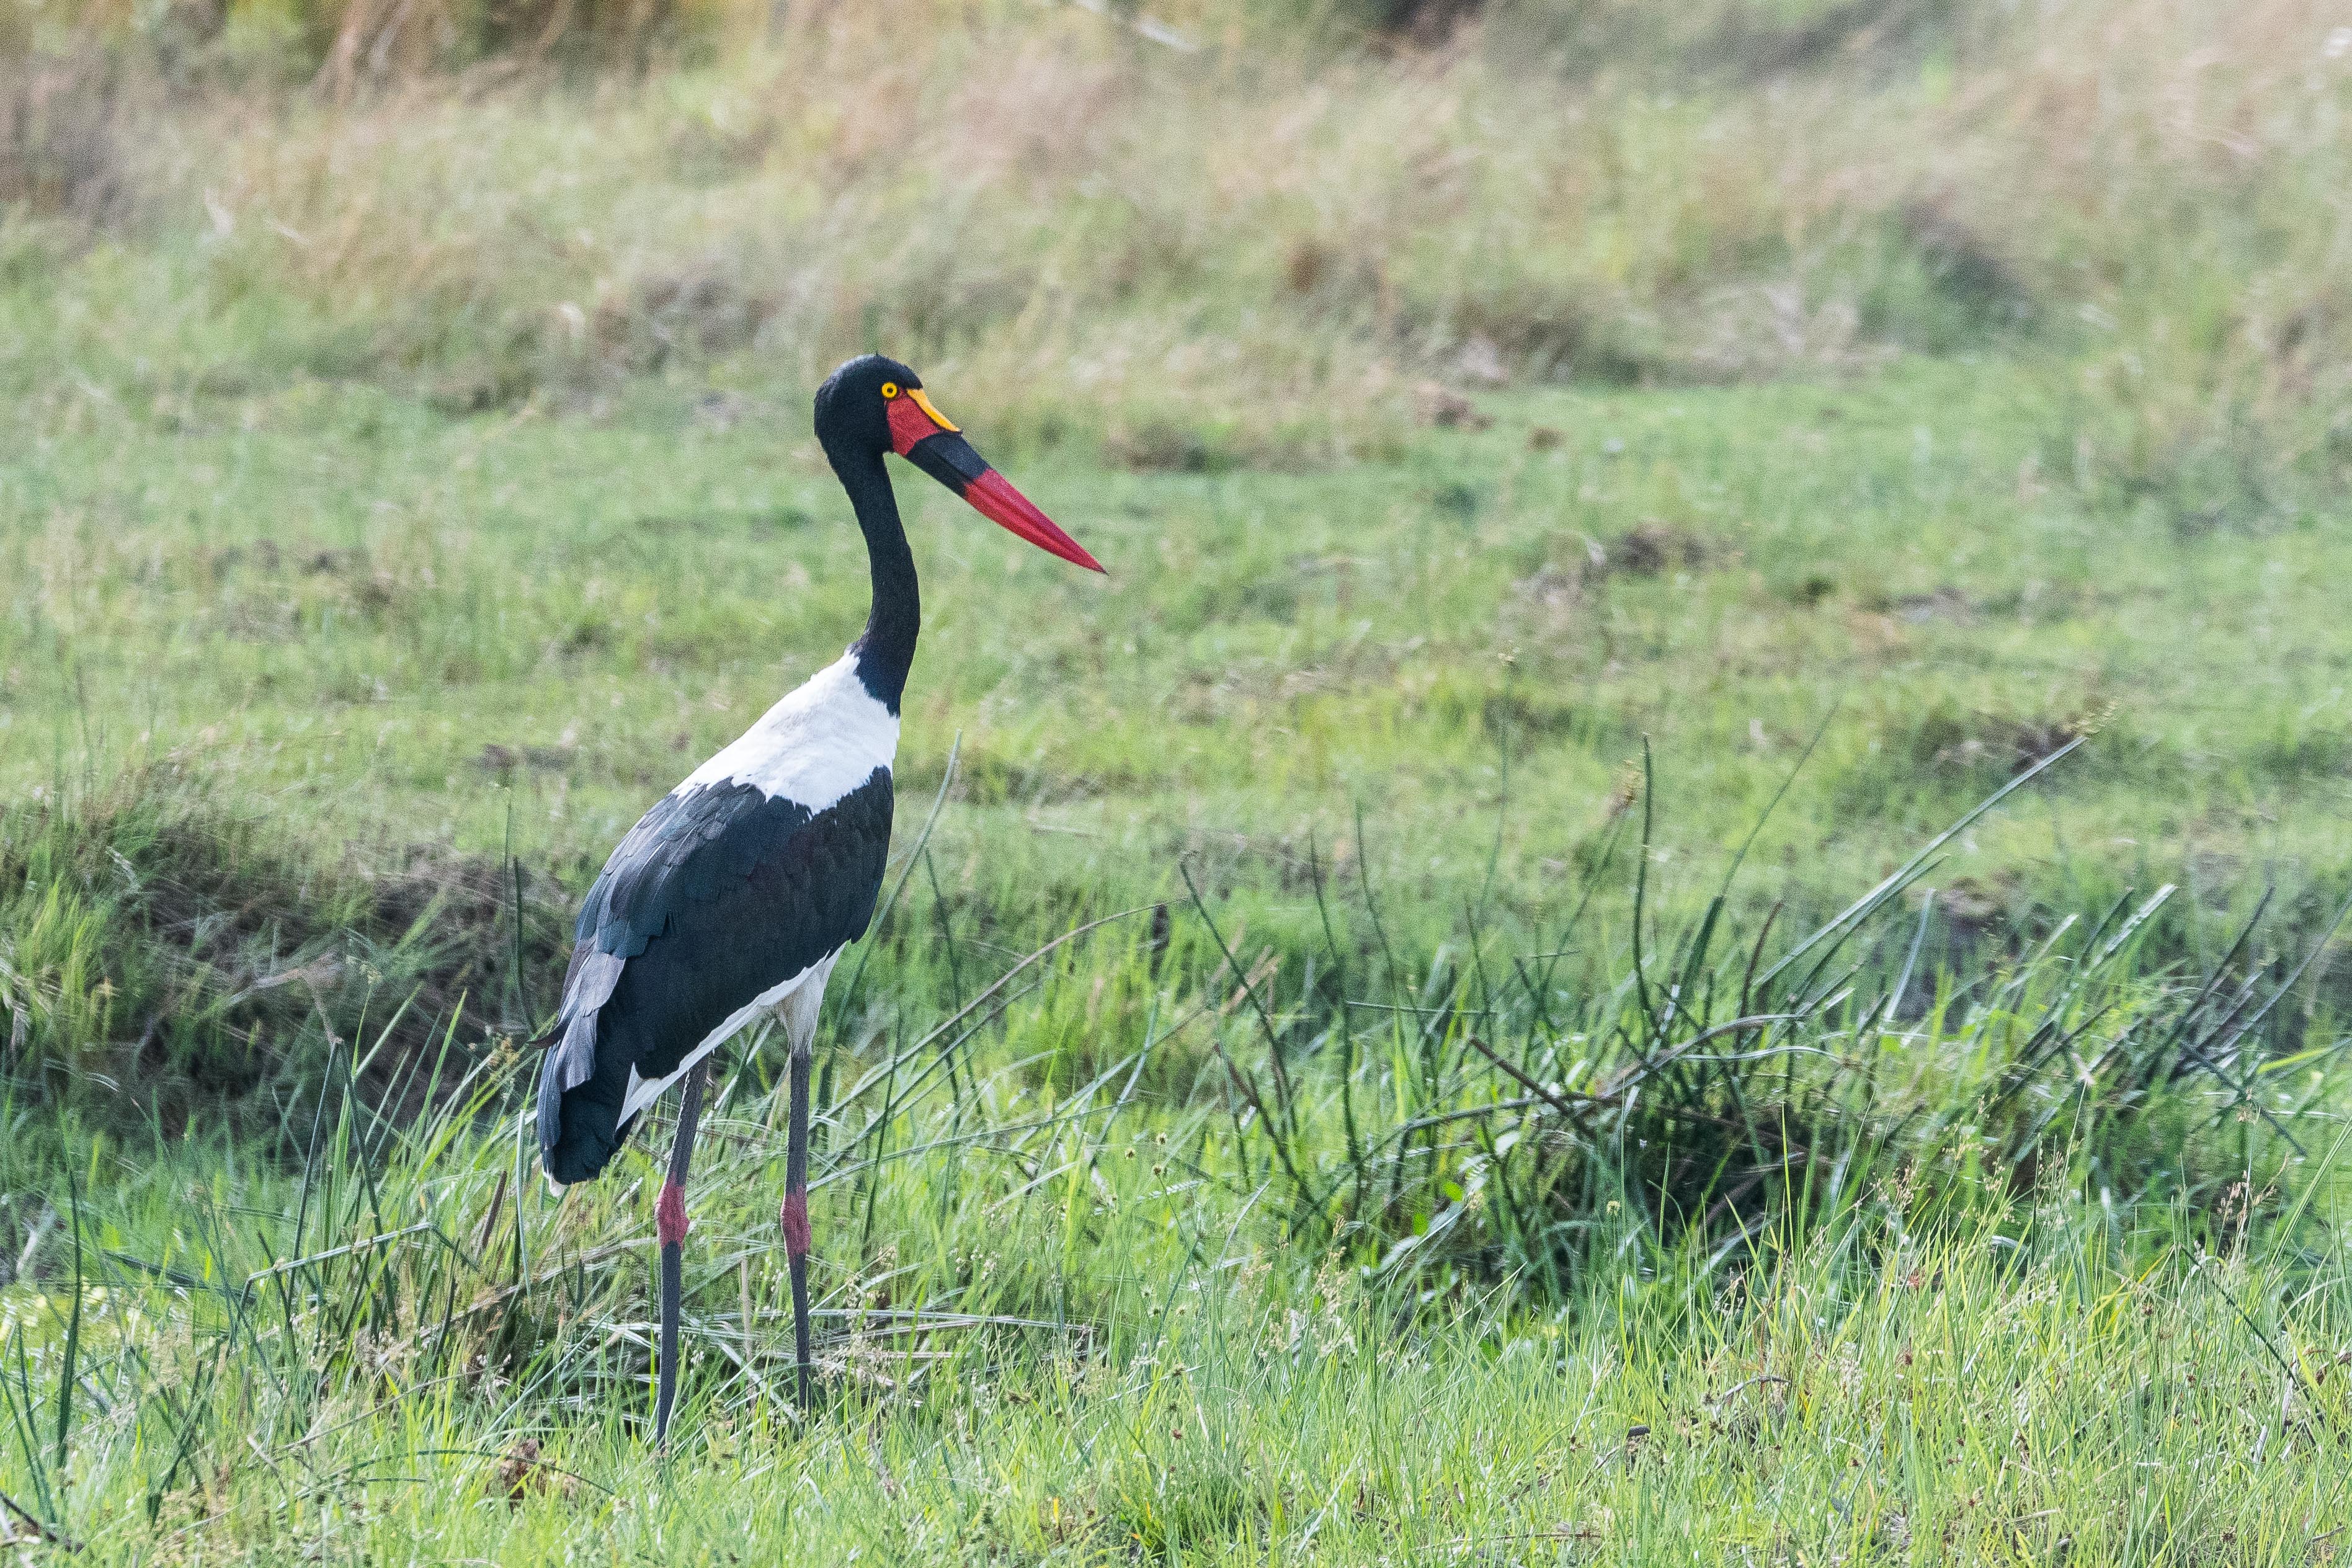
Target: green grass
x: 287, y: 682
x: 1130, y: 1260
x: 1878, y: 1394
x: 396, y: 628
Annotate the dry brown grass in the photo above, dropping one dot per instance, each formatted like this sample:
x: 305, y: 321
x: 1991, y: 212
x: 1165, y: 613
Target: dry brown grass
x: 2175, y: 176
x: 1247, y: 253
x: 61, y: 126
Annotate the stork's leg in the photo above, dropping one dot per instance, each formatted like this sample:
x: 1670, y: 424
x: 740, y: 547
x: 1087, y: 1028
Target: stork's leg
x: 795, y: 1214
x: 669, y: 1224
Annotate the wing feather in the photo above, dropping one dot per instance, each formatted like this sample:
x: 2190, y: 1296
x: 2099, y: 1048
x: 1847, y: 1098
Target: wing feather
x: 720, y: 895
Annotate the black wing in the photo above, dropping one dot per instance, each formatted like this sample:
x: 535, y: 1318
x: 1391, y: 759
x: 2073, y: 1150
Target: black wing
x: 722, y: 892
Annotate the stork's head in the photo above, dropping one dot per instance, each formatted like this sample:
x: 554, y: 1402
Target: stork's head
x: 872, y: 405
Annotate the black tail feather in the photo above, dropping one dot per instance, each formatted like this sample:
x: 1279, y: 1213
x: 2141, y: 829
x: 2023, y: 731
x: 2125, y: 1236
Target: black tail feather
x: 580, y: 1129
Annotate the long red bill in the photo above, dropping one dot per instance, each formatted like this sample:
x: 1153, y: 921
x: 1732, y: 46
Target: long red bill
x: 992, y: 496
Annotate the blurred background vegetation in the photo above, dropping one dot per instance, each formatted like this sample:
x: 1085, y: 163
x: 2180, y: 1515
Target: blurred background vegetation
x: 1208, y: 233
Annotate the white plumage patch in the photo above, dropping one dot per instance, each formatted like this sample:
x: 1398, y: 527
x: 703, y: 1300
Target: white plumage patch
x: 822, y: 740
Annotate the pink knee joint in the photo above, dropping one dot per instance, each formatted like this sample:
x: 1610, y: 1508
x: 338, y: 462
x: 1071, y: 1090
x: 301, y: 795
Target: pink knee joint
x: 669, y: 1214
x: 796, y: 1226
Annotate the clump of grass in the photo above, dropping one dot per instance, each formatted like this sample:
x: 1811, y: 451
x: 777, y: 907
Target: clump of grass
x: 1490, y: 1112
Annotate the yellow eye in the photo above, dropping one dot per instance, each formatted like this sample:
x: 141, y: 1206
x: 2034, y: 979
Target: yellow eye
x: 889, y: 389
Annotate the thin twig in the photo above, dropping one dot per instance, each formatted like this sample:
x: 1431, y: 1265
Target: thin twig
x: 55, y: 1538
x: 1748, y: 1384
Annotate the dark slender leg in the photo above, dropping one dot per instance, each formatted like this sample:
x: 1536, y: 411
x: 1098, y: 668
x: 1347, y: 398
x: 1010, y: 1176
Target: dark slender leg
x: 669, y: 1224
x: 795, y: 1216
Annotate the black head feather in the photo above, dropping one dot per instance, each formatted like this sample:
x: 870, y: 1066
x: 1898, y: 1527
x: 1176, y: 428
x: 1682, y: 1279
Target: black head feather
x: 852, y: 417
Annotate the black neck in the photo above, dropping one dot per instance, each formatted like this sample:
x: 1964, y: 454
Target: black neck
x: 886, y: 650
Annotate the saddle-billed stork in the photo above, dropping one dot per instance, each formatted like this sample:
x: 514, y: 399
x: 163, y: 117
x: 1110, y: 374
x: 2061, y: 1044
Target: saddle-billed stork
x: 734, y: 895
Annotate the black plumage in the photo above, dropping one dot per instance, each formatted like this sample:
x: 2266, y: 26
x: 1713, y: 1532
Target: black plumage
x: 719, y: 894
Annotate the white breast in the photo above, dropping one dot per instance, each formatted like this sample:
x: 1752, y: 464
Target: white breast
x: 824, y: 739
